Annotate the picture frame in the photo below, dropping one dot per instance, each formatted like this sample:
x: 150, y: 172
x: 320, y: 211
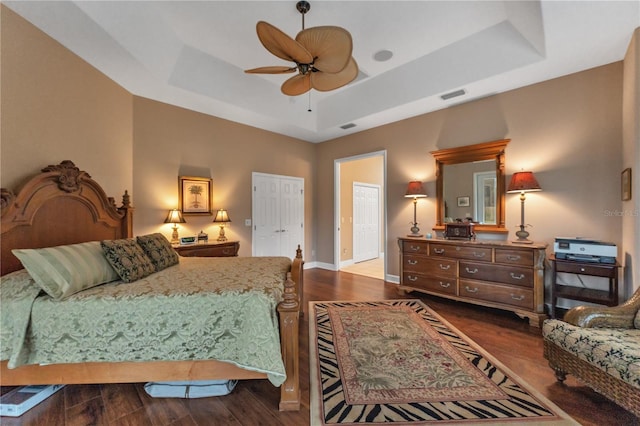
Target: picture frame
x: 625, y: 179
x: 463, y: 201
x: 195, y: 195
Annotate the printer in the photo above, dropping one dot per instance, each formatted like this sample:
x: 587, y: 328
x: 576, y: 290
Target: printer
x: 585, y: 250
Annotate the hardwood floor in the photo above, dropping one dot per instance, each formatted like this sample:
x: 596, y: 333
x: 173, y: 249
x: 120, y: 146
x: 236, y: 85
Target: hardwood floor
x: 255, y: 402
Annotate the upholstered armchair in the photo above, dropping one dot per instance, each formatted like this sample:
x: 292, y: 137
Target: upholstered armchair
x: 600, y: 346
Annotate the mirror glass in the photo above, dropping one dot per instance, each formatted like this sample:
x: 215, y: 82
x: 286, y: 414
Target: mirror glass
x: 470, y: 185
x: 469, y: 191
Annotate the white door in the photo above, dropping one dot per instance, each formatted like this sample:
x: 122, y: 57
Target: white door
x: 366, y: 221
x: 278, y: 215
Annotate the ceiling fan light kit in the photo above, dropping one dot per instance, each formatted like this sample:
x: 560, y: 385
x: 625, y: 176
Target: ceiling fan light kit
x: 322, y: 56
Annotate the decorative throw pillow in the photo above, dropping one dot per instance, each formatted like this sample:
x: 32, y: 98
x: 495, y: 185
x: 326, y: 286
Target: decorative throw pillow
x: 128, y: 259
x: 65, y: 270
x: 159, y: 250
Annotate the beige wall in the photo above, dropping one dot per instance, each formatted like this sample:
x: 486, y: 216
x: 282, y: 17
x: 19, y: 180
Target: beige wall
x: 630, y: 250
x: 57, y: 107
x: 365, y: 170
x: 567, y: 130
x: 172, y: 142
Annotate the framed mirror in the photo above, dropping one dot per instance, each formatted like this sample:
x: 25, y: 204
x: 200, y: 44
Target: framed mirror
x: 470, y: 185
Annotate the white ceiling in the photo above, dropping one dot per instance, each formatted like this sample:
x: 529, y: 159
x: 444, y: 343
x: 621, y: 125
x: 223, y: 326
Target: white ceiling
x: 192, y: 53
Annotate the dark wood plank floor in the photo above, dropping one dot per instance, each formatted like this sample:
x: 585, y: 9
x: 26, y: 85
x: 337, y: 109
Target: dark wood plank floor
x: 509, y: 338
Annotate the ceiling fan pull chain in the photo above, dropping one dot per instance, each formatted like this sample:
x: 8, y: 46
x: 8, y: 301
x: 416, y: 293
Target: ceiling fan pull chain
x: 309, y: 101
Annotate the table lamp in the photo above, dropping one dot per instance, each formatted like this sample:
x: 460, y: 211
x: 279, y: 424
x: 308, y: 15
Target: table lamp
x: 175, y: 217
x: 222, y: 218
x: 415, y: 190
x: 523, y: 182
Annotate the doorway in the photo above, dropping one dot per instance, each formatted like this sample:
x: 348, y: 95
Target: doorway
x: 365, y: 176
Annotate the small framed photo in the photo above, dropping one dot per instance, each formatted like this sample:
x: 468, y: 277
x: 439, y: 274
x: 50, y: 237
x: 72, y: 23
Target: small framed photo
x: 626, y: 184
x: 194, y: 195
x: 463, y: 201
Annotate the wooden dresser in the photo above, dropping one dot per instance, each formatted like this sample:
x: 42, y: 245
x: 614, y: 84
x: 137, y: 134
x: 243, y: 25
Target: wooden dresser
x: 489, y: 273
x: 224, y: 249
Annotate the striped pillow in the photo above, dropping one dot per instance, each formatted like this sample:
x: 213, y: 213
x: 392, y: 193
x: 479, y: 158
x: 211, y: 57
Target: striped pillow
x: 65, y: 270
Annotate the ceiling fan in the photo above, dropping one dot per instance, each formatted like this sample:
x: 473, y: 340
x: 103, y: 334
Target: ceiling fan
x: 322, y: 56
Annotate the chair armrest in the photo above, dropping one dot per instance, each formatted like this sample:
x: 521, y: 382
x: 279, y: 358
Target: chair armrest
x: 599, y: 317
x: 620, y: 316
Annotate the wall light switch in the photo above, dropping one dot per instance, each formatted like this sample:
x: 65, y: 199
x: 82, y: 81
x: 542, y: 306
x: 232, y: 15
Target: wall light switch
x: 247, y: 222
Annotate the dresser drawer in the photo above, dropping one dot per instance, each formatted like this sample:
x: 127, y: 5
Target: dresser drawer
x: 444, y: 285
x: 419, y: 247
x: 514, y: 296
x: 514, y: 257
x: 483, y: 254
x: 504, y: 274
x: 428, y: 265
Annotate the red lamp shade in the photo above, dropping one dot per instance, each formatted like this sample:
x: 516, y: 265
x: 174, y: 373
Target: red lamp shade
x: 415, y: 190
x: 523, y: 182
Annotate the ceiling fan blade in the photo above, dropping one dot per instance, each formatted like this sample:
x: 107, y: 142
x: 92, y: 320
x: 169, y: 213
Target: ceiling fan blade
x: 296, y: 85
x: 271, y: 70
x: 331, y: 46
x: 324, y: 82
x: 281, y: 45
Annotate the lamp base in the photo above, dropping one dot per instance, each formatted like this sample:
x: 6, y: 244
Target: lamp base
x: 174, y: 236
x: 221, y: 236
x: 415, y: 231
x: 522, y: 236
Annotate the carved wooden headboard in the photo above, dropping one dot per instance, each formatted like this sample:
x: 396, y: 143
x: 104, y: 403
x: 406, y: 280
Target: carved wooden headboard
x: 61, y: 205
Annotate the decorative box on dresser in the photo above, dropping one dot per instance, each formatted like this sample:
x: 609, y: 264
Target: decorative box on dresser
x: 223, y: 249
x: 490, y: 273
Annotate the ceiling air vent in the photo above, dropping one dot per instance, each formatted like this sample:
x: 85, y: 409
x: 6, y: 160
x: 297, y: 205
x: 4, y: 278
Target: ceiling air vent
x: 347, y: 126
x: 453, y: 94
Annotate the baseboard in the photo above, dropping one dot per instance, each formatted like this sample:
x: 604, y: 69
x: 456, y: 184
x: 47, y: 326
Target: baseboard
x: 323, y: 265
x: 395, y: 279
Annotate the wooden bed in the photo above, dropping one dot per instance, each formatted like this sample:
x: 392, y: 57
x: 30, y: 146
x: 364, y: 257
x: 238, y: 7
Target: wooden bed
x: 64, y: 205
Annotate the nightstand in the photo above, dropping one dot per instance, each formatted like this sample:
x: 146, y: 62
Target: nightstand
x: 224, y: 249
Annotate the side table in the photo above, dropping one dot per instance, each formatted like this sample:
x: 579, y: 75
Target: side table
x: 604, y: 270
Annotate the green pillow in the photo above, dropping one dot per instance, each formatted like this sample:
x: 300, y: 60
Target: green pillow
x: 65, y: 270
x: 159, y: 250
x: 128, y: 259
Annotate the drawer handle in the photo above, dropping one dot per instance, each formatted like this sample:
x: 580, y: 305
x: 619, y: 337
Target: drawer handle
x: 412, y: 278
x: 414, y: 248
x: 516, y: 277
x: 444, y: 267
x: 445, y: 285
x: 474, y: 271
x: 438, y: 251
x: 513, y: 257
x: 412, y: 262
x: 514, y: 297
x: 471, y: 290
x: 479, y: 255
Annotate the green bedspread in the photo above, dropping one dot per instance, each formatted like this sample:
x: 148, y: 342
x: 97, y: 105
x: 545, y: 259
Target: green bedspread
x: 200, y: 309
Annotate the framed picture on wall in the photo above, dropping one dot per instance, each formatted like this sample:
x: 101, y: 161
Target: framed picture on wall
x: 463, y: 201
x: 626, y: 184
x: 194, y: 195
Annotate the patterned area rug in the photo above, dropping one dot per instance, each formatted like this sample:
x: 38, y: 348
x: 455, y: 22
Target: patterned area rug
x: 398, y: 362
